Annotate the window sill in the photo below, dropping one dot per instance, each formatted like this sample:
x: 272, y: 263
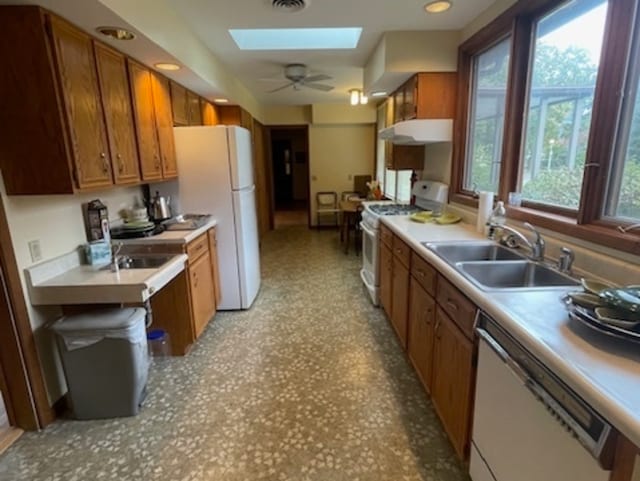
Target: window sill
x: 599, y: 233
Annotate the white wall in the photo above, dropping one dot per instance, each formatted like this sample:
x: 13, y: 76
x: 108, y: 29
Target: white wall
x: 57, y: 221
x: 337, y: 152
x: 485, y: 17
x: 437, y: 162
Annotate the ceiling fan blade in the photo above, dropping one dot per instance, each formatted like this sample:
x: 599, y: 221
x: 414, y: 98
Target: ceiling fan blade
x: 270, y: 79
x: 323, y: 87
x: 317, y: 78
x: 280, y: 88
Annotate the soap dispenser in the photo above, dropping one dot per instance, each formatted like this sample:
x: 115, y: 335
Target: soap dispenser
x: 497, y: 218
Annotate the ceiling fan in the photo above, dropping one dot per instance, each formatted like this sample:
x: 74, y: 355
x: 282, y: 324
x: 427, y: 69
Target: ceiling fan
x: 296, y: 73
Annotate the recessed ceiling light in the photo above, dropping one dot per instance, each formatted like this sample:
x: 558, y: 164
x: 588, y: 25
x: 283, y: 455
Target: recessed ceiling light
x: 438, y: 6
x: 167, y: 66
x: 116, y: 33
x: 221, y: 101
x: 379, y: 93
x: 296, y: 38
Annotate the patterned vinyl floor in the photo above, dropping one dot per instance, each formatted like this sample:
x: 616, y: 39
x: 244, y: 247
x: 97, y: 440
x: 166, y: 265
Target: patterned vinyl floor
x: 310, y: 384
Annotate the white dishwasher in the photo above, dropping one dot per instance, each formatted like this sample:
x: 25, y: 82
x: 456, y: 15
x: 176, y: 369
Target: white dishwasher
x: 528, y: 425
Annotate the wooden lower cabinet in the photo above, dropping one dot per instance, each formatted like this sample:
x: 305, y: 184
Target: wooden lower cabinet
x: 203, y: 300
x: 386, y: 273
x: 213, y: 252
x: 626, y: 465
x: 422, y: 319
x: 453, y: 378
x: 400, y: 302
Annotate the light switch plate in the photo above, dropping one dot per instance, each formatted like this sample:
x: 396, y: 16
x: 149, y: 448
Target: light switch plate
x: 35, y: 250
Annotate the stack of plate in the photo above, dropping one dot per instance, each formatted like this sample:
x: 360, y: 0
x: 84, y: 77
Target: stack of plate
x: 130, y: 230
x: 612, y: 310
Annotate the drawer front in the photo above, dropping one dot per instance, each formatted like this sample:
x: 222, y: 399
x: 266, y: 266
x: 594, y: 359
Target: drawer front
x: 422, y: 272
x: 454, y: 303
x: 402, y: 251
x: 197, y: 247
x: 386, y: 236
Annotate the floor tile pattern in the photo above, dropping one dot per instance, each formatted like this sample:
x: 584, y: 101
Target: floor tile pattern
x: 310, y: 384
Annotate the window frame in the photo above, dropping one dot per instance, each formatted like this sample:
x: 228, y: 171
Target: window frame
x: 589, y: 221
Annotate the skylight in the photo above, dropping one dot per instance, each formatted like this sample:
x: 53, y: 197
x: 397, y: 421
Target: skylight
x: 296, y: 38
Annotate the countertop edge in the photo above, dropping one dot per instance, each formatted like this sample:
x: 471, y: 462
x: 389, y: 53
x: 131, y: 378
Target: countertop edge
x: 171, y: 236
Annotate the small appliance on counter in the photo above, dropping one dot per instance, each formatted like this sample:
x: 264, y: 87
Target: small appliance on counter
x: 96, y: 221
x: 160, y: 207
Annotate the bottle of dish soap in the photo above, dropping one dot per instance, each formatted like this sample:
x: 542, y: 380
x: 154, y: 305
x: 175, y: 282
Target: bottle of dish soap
x: 497, y: 218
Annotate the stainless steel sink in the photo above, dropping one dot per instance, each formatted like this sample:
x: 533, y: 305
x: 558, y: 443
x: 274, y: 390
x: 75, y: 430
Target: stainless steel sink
x: 141, y: 262
x: 514, y: 275
x: 473, y: 251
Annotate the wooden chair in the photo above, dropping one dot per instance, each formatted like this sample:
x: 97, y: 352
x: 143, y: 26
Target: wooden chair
x: 327, y: 206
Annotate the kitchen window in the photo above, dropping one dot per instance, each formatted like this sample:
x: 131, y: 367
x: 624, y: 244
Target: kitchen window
x: 490, y: 71
x: 570, y: 142
x: 562, y: 82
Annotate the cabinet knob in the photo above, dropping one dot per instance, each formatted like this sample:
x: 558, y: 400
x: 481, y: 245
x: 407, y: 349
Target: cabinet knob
x: 120, y: 163
x: 105, y: 165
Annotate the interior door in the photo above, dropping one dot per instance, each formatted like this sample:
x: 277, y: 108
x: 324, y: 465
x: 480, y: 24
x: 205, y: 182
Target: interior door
x: 282, y: 172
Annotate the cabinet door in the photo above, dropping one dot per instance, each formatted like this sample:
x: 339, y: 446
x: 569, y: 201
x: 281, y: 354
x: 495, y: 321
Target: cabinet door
x: 209, y: 113
x: 213, y: 252
x: 83, y: 105
x: 164, y: 125
x: 398, y: 105
x: 203, y: 304
x: 116, y: 100
x: 452, y: 382
x: 179, y: 104
x: 386, y: 272
x: 436, y: 95
x: 193, y: 106
x: 145, y: 121
x: 400, y: 303
x: 409, y: 108
x: 422, y: 319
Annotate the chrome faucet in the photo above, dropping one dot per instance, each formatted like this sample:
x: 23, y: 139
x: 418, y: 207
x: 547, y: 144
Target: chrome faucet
x: 115, y: 257
x: 565, y: 261
x: 536, y: 247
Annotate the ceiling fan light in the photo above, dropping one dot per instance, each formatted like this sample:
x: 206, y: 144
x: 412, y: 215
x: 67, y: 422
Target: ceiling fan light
x: 354, y: 96
x: 438, y: 6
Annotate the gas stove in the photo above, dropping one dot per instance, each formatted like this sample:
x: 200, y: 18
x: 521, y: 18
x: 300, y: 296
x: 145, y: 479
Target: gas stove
x: 393, y: 209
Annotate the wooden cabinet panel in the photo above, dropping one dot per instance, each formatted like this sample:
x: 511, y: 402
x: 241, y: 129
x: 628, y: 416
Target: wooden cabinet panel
x: 209, y: 113
x: 436, y: 95
x: 452, y: 383
x: 422, y: 317
x: 145, y: 121
x: 409, y: 107
x: 404, y: 157
x: 386, y: 236
x: 389, y: 112
x: 386, y: 272
x: 626, y: 465
x: 398, y: 105
x: 164, y: 125
x: 422, y: 271
x: 261, y: 179
x: 197, y: 247
x: 402, y: 251
x: 203, y: 303
x: 193, y: 108
x: 400, y: 301
x: 234, y: 115
x: 459, y: 308
x: 78, y: 79
x: 116, y: 101
x: 179, y: 104
x: 213, y: 252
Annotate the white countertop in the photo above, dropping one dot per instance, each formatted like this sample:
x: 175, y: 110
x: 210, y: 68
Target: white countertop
x: 605, y: 372
x: 171, y: 236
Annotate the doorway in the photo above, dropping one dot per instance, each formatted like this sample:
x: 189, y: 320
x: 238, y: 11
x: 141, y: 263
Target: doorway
x: 290, y: 174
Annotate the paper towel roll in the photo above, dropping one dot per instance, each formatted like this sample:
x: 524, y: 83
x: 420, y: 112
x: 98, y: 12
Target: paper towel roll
x: 485, y: 207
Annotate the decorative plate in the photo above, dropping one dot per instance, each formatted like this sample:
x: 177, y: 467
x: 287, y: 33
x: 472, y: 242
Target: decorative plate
x: 422, y: 217
x: 616, y: 317
x: 625, y: 298
x: 448, y: 219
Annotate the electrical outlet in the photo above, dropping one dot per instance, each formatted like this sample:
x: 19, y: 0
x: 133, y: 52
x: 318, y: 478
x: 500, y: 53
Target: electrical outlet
x: 314, y: 178
x: 35, y: 250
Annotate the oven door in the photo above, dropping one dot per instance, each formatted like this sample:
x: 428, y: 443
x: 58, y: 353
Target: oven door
x: 370, y: 270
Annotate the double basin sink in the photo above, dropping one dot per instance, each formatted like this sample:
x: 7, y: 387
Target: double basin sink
x: 141, y: 261
x: 494, y: 267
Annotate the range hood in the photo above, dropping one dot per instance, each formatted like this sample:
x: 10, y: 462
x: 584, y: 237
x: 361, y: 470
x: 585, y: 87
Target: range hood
x: 418, y: 132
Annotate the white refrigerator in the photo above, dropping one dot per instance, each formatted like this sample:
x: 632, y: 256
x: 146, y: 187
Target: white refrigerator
x: 215, y: 176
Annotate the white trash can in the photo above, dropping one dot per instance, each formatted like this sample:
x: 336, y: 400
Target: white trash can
x: 105, y: 359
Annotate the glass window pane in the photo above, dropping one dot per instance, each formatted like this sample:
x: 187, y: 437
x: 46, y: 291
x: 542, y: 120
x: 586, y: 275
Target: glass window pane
x: 560, y: 100
x: 624, y: 188
x: 390, y: 184
x: 490, y: 71
x: 403, y: 190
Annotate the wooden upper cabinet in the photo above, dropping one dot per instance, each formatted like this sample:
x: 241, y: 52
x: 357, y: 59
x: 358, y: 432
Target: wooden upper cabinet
x: 145, y: 121
x: 179, y: 104
x: 426, y: 95
x: 116, y: 101
x: 76, y: 65
x: 209, y: 113
x: 164, y: 125
x: 235, y: 115
x: 193, y: 108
